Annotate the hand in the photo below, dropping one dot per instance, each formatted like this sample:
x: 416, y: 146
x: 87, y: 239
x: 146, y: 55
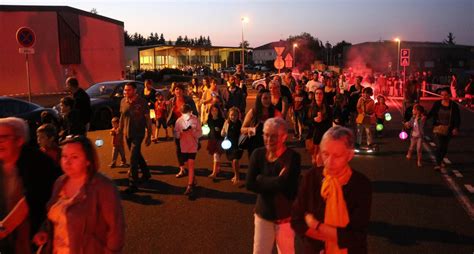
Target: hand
x: 40, y: 238
x: 148, y: 140
x: 455, y: 132
x: 311, y: 222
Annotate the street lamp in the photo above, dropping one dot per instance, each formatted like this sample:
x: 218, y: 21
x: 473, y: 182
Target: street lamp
x: 398, y: 55
x: 295, y: 45
x: 242, y: 56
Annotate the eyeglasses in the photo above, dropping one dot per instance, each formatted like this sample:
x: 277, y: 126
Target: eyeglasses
x: 4, y: 138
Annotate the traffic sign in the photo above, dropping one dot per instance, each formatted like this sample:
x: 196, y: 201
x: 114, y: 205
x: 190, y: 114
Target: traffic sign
x: 279, y: 50
x: 405, y: 52
x: 27, y: 51
x: 405, y: 61
x: 279, y: 63
x: 25, y: 37
x: 288, y: 61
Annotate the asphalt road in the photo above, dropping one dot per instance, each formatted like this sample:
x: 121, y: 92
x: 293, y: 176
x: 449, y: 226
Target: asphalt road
x: 414, y: 210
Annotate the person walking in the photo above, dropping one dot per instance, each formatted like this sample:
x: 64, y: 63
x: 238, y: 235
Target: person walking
x: 134, y: 121
x: 446, y: 122
x: 273, y: 174
x: 332, y: 209
x: 82, y: 101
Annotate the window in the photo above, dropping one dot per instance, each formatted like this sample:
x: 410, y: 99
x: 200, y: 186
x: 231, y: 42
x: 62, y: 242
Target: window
x: 69, y: 38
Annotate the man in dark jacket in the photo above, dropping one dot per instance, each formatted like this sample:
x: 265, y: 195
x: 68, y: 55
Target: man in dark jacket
x: 27, y: 177
x: 82, y: 101
x: 234, y: 96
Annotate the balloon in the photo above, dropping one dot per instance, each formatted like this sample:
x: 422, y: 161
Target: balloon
x: 205, y: 129
x: 379, y: 127
x: 403, y: 135
x: 226, y: 144
x: 388, y: 117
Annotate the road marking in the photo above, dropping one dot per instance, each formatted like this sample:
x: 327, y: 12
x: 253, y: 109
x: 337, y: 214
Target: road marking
x: 432, y: 144
x: 457, y: 173
x: 469, y: 188
x: 458, y: 193
x: 446, y: 160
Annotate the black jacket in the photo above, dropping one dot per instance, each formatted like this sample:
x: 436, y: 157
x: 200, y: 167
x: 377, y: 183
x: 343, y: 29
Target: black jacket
x: 455, y: 114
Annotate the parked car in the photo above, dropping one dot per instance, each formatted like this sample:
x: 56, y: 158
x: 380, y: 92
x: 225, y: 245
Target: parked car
x: 164, y: 75
x: 31, y: 112
x: 105, y: 101
x: 260, y: 83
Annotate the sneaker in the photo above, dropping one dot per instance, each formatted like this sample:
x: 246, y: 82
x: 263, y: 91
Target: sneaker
x: 112, y: 165
x: 181, y: 174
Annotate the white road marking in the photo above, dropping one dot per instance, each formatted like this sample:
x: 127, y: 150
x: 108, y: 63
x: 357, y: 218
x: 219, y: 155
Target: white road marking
x: 469, y: 188
x: 432, y: 144
x: 457, y: 173
x: 446, y: 160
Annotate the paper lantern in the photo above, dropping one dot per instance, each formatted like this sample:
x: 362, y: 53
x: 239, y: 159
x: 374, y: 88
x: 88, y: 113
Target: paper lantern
x: 403, y: 135
x: 226, y: 144
x: 388, y: 117
x: 379, y: 127
x: 206, y: 129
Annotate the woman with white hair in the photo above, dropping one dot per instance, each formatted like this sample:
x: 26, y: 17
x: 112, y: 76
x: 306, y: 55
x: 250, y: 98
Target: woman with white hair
x: 273, y: 174
x: 26, y: 180
x: 332, y: 210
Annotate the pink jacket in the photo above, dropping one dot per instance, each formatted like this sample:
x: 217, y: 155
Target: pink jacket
x: 188, y: 140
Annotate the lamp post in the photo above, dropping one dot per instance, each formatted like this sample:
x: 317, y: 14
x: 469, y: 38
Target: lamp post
x: 295, y: 45
x: 242, y: 56
x: 398, y: 55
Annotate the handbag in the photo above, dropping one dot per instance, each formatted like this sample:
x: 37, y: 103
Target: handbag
x: 360, y: 118
x: 441, y: 130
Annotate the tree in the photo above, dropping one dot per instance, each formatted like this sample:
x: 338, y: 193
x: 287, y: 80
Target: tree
x: 179, y: 41
x: 338, y: 51
x: 246, y: 44
x: 127, y: 39
x: 309, y: 49
x: 162, y: 39
x: 208, y: 41
x: 450, y: 39
x: 186, y: 41
x: 94, y: 11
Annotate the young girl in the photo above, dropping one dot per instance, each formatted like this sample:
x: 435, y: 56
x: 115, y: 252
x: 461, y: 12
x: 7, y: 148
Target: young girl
x: 417, y: 123
x: 47, y: 138
x: 215, y: 121
x: 161, y: 112
x: 187, y: 130
x: 380, y: 109
x: 365, y: 118
x: 118, y: 147
x: 231, y: 130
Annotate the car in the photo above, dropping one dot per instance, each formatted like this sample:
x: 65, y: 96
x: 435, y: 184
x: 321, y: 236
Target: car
x: 260, y: 83
x: 164, y: 75
x: 105, y: 101
x: 31, y: 112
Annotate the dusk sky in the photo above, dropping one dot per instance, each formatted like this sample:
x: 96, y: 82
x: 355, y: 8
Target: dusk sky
x: 352, y: 20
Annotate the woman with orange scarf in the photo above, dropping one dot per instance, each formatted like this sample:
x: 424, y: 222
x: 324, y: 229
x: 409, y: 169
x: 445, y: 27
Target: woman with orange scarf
x: 332, y: 209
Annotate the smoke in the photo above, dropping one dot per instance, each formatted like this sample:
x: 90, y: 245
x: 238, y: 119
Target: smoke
x: 367, y: 58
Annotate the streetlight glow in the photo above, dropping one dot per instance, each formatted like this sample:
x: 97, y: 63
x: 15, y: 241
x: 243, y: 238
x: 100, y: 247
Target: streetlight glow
x: 295, y: 45
x: 242, y: 55
x: 397, y: 40
x: 244, y: 19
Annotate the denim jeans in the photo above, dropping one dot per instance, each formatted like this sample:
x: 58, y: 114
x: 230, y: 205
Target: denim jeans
x: 136, y: 160
x: 266, y: 232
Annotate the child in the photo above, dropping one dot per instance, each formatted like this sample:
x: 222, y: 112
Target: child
x: 299, y: 105
x: 117, y: 143
x: 215, y: 121
x: 47, y: 138
x: 365, y: 118
x: 416, y: 124
x: 187, y: 130
x: 161, y: 113
x: 231, y: 130
x: 380, y: 109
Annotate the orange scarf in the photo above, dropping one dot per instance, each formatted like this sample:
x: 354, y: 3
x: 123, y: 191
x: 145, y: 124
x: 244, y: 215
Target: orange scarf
x: 335, y: 213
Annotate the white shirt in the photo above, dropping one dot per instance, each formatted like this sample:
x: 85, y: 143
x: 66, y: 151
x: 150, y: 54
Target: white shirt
x: 312, y: 85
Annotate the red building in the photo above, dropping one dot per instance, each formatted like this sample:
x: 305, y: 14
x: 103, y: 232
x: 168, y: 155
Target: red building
x: 69, y: 42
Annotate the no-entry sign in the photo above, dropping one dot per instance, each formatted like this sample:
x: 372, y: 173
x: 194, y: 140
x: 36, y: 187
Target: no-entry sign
x: 25, y: 37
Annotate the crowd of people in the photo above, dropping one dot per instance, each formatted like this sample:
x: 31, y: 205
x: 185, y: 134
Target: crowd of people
x: 70, y: 211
